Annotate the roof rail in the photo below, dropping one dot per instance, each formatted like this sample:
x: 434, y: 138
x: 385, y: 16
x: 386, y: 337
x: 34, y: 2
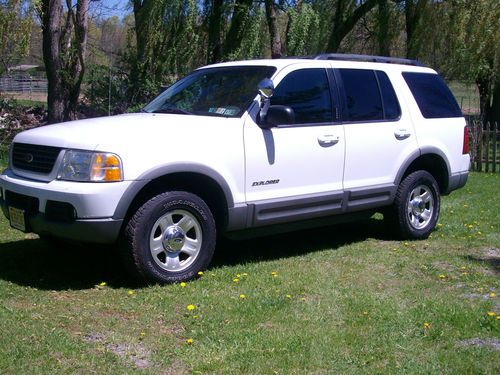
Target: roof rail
x: 368, y: 58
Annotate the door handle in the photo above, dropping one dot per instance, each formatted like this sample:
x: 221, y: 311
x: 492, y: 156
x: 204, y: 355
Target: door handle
x: 328, y: 140
x: 401, y: 134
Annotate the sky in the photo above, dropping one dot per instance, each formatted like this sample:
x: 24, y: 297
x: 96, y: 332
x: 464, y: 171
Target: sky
x: 110, y: 8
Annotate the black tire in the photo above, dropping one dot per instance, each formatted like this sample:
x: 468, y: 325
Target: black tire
x: 415, y: 210
x: 180, y: 226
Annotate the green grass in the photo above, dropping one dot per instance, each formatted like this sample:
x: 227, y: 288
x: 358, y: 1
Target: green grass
x: 343, y: 299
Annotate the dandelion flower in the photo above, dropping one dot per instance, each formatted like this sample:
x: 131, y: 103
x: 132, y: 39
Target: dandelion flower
x: 235, y: 280
x: 498, y: 317
x: 242, y: 296
x: 365, y: 312
x: 238, y: 275
x: 183, y: 284
x: 143, y: 334
x: 427, y: 325
x: 130, y: 292
x: 200, y: 273
x: 491, y: 313
x: 195, y: 316
x: 463, y: 268
x: 190, y: 307
x: 492, y: 294
x: 288, y: 296
x: 103, y: 283
x: 274, y: 273
x: 189, y: 341
x: 439, y: 225
x: 245, y: 274
x: 442, y: 276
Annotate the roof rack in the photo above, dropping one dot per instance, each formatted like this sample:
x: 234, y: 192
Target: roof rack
x: 367, y: 58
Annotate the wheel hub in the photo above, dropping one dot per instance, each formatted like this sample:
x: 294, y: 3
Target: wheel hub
x: 418, y: 206
x: 173, y: 239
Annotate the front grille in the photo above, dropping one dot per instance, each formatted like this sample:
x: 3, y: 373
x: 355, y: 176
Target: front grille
x: 34, y: 158
x: 21, y: 201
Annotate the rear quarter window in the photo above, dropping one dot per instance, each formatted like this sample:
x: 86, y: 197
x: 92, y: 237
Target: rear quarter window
x: 433, y: 97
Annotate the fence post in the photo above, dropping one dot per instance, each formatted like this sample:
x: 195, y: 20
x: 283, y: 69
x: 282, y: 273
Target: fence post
x: 479, y: 153
x: 495, y: 141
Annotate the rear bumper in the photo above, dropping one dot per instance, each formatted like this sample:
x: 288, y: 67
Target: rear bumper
x: 457, y: 181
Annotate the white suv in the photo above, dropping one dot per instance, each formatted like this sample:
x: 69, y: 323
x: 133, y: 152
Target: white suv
x: 249, y: 145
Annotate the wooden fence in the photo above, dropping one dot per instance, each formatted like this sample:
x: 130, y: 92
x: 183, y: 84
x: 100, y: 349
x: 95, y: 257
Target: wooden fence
x: 484, y: 146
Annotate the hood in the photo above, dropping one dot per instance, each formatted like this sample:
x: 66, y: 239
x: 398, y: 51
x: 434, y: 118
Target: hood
x: 118, y: 133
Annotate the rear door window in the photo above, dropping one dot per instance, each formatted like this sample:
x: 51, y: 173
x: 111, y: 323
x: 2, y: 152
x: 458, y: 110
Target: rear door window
x: 433, y: 97
x: 369, y: 96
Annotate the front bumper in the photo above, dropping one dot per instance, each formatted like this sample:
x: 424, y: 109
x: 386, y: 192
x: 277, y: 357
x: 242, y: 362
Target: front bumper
x: 71, y: 210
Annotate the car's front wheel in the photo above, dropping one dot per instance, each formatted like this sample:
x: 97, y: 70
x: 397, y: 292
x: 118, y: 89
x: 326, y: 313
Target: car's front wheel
x: 415, y: 211
x: 170, y: 238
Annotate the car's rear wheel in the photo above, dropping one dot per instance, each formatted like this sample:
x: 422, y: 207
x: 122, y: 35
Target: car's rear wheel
x: 415, y: 211
x: 170, y: 238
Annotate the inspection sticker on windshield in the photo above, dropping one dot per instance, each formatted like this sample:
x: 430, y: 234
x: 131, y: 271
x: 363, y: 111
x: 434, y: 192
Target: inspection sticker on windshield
x: 223, y: 111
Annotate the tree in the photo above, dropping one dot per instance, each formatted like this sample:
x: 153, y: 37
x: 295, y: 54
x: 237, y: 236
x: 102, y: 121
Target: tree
x: 274, y: 35
x: 414, y: 15
x: 15, y: 31
x: 474, y: 32
x: 64, y: 46
x: 347, y: 14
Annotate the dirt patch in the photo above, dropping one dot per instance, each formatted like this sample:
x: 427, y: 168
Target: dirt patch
x: 135, y: 353
x: 482, y: 343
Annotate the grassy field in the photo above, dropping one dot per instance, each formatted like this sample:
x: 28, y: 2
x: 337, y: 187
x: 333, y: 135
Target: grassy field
x: 344, y: 299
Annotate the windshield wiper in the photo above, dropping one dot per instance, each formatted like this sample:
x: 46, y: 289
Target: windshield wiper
x: 173, y: 110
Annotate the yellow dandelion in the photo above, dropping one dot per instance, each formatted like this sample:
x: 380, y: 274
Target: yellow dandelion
x: 183, y: 284
x: 235, y: 280
x: 498, y: 317
x: 242, y: 296
x: 492, y: 294
x: 195, y: 316
x: 303, y: 299
x: 288, y: 296
x: 439, y: 225
x: 470, y: 226
x: 130, y: 292
x: 427, y: 325
x: 491, y: 313
x: 189, y: 341
x: 480, y: 233
x: 442, y: 276
x: 465, y: 273
x: 143, y: 334
x: 245, y: 274
x: 190, y: 307
x: 238, y: 275
x: 200, y: 273
x: 365, y: 312
x: 274, y: 273
x: 104, y: 283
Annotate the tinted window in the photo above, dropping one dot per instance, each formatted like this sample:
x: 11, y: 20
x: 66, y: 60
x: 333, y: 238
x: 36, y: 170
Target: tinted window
x: 433, y: 97
x: 392, y: 110
x: 362, y: 95
x: 307, y: 92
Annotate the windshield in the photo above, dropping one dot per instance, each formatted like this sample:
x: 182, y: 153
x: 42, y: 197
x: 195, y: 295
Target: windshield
x: 226, y: 92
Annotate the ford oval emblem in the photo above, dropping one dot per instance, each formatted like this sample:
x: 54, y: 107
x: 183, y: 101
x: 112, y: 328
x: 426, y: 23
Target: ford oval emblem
x: 28, y: 158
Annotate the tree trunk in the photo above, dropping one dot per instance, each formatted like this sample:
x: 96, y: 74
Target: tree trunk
x: 64, y: 46
x: 494, y: 113
x: 343, y: 23
x: 414, y: 12
x: 236, y: 31
x: 383, y: 37
x: 214, y: 52
x: 272, y: 23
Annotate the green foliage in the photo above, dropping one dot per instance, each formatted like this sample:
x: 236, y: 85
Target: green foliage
x: 15, y: 31
x: 105, y: 89
x: 303, y: 30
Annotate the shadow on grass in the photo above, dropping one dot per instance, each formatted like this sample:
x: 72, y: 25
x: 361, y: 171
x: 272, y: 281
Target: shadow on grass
x: 35, y: 263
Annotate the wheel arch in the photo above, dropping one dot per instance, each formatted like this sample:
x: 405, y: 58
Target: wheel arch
x: 199, y: 180
x: 429, y: 159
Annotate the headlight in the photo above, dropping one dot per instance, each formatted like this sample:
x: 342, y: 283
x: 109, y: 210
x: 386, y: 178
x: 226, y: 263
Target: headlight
x: 90, y: 166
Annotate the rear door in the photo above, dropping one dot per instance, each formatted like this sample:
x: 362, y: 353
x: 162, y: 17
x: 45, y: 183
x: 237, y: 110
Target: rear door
x: 379, y: 136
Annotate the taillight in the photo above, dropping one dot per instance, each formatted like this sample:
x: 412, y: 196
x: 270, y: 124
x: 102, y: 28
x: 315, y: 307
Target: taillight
x: 465, y: 148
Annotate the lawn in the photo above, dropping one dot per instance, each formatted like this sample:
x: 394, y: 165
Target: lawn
x: 345, y: 299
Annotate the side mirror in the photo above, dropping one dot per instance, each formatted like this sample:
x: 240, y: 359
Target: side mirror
x: 266, y: 91
x: 280, y: 115
x: 266, y: 88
